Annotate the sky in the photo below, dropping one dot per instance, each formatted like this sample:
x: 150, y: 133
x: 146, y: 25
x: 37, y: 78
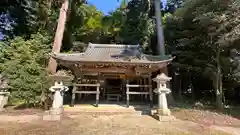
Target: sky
x: 108, y: 5
x: 105, y: 5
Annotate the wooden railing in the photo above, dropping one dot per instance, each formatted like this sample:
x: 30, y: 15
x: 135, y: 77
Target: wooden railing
x: 75, y: 90
x: 149, y: 86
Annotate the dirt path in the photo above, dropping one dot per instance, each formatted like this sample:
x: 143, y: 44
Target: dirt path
x: 189, y: 121
x: 105, y: 125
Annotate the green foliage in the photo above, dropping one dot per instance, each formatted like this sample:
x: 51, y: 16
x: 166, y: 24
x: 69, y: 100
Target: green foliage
x: 91, y: 28
x: 199, y: 29
x: 24, y: 65
x: 18, y: 17
x: 201, y: 34
x: 137, y: 28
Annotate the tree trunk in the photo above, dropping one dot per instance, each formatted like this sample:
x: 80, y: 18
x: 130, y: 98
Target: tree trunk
x: 52, y: 65
x: 218, y: 91
x: 191, y: 87
x: 158, y: 15
x: 161, y: 44
x: 218, y: 83
x: 193, y: 93
x: 175, y: 83
x: 180, y: 88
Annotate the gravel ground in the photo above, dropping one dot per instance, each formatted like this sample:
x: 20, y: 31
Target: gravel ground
x: 206, y: 118
x: 190, y: 122
x: 104, y: 125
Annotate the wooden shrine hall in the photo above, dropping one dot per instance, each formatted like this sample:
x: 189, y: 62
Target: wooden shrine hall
x: 112, y: 72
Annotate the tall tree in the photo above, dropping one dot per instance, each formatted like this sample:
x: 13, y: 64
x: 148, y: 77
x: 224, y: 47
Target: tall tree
x: 52, y: 66
x: 158, y: 15
x: 204, y: 31
x: 138, y: 26
x: 113, y: 24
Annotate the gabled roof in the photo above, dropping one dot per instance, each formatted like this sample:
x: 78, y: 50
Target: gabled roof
x: 112, y: 53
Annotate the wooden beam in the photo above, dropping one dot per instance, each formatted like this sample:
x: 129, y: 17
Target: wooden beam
x: 87, y: 92
x: 105, y: 70
x: 135, y: 86
x: 87, y: 85
x: 137, y: 93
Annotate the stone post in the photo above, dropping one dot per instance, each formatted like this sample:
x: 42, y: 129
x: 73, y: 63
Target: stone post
x: 58, y: 89
x: 162, y: 90
x: 3, y: 99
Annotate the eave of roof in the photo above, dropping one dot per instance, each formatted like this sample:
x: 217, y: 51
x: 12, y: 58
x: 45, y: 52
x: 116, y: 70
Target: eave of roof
x: 164, y: 59
x: 111, y: 53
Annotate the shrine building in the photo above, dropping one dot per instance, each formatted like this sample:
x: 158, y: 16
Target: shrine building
x: 112, y: 73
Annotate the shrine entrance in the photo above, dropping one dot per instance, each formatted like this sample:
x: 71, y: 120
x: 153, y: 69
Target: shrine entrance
x: 114, y: 90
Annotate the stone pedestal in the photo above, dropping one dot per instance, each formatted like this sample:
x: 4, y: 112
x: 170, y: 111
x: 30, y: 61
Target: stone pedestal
x: 57, y: 106
x: 162, y: 104
x: 164, y: 118
x: 52, y: 115
x: 163, y: 113
x: 56, y: 111
x: 3, y: 99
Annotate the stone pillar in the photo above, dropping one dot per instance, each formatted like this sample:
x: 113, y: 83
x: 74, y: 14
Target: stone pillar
x: 162, y: 90
x: 58, y: 89
x: 3, y: 99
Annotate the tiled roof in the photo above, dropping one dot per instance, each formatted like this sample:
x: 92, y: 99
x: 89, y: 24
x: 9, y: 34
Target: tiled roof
x: 110, y: 53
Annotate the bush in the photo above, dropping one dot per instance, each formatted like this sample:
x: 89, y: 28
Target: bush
x: 24, y: 65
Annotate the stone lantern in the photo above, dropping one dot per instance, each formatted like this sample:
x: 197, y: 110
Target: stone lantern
x: 3, y: 97
x: 162, y: 90
x: 4, y: 94
x: 58, y: 89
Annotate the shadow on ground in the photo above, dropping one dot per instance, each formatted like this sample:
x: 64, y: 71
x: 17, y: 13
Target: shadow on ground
x: 207, y: 115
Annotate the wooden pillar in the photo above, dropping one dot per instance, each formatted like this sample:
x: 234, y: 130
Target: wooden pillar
x: 127, y: 93
x: 98, y: 90
x: 97, y: 95
x: 73, y: 95
x: 145, y: 88
x: 150, y: 89
x: 141, y: 88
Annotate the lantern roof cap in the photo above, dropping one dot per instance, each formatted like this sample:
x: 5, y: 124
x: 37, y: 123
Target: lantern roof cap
x: 162, y: 77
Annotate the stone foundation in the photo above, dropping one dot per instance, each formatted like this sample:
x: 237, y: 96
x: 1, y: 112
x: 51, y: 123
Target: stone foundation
x: 163, y: 118
x: 54, y: 114
x: 164, y: 112
x: 50, y: 117
x: 56, y: 111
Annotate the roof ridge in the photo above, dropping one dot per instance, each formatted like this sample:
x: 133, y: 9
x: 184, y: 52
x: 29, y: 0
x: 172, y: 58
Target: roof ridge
x: 111, y: 45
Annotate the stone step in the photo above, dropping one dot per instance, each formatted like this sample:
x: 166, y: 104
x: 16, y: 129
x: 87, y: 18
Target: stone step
x: 92, y: 113
x: 107, y: 112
